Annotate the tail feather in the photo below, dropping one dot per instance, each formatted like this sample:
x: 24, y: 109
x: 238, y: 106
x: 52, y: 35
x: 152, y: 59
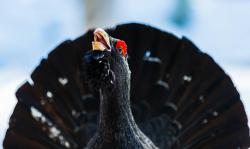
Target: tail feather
x: 179, y: 96
x: 21, y: 132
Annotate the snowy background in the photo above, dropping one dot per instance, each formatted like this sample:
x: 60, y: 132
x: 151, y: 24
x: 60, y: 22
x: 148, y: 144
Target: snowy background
x: 29, y: 29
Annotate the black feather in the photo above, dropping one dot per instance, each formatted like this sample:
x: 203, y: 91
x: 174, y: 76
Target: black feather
x: 180, y: 97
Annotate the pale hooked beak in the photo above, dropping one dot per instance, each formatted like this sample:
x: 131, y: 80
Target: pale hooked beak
x: 101, y: 40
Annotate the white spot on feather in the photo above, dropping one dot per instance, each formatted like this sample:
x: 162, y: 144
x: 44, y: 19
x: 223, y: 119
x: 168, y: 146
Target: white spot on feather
x: 54, y: 132
x: 187, y: 78
x: 149, y: 58
x: 35, y: 113
x: 147, y: 54
x: 201, y: 98
x: 152, y: 59
x: 205, y: 121
x: 63, y: 81
x: 163, y: 83
x: 49, y: 94
x: 215, y: 113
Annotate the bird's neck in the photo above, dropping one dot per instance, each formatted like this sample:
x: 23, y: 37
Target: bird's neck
x: 115, y: 111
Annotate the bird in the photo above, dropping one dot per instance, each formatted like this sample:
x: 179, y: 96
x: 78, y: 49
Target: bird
x: 128, y: 87
x: 108, y: 72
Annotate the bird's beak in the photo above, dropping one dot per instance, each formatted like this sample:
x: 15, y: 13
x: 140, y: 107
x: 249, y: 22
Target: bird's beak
x: 101, y: 40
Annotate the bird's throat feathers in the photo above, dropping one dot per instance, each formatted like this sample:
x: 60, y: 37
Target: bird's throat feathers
x: 115, y: 102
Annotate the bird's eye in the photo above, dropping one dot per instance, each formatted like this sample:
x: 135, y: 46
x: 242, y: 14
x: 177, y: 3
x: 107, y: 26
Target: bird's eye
x: 120, y: 44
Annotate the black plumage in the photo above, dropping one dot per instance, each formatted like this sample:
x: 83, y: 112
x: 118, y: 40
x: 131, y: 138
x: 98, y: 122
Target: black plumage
x: 180, y: 97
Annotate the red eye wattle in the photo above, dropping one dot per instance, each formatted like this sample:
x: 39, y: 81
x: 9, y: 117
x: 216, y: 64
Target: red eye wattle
x: 120, y: 44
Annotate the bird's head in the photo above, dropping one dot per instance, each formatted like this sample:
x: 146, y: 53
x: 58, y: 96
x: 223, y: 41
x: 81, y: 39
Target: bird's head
x: 104, y: 42
x: 107, y: 66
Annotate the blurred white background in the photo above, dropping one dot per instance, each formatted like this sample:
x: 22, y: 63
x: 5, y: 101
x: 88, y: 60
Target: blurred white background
x: 29, y: 29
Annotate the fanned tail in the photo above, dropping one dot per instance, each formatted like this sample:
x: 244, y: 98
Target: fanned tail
x: 180, y: 97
